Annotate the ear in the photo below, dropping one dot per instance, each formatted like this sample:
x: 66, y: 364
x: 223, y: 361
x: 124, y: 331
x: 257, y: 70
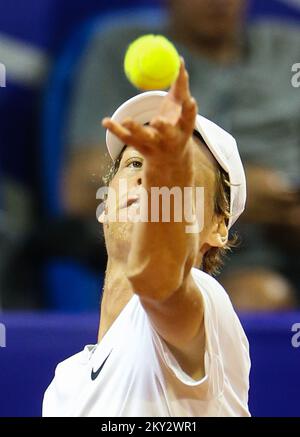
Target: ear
x: 218, y: 234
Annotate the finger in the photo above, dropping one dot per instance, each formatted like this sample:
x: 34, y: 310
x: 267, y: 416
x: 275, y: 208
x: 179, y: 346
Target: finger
x: 143, y: 138
x: 117, y: 129
x: 188, y: 115
x: 143, y: 134
x: 180, y: 90
x: 170, y: 110
x: 125, y: 135
x: 163, y: 127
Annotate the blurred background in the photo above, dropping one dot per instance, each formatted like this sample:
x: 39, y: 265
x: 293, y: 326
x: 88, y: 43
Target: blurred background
x: 63, y: 73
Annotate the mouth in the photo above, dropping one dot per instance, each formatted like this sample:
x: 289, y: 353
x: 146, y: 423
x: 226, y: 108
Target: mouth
x: 129, y: 201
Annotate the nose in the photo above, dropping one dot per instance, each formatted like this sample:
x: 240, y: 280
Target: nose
x: 134, y: 181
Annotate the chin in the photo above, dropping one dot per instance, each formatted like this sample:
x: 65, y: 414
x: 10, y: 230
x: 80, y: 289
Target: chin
x: 118, y: 239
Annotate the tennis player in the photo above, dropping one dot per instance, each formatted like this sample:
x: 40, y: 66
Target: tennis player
x: 169, y: 343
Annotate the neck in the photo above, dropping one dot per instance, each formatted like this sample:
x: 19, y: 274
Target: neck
x: 223, y: 50
x: 116, y: 294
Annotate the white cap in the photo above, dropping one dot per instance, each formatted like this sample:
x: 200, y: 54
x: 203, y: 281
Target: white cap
x: 143, y: 107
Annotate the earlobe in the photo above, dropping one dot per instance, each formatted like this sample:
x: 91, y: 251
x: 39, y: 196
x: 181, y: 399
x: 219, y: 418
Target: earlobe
x: 222, y: 240
x: 218, y: 237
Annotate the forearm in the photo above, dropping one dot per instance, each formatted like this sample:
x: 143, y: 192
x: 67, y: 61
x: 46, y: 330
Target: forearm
x: 162, y: 253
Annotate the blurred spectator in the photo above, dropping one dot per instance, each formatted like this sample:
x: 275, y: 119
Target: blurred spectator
x: 241, y: 76
x: 31, y: 33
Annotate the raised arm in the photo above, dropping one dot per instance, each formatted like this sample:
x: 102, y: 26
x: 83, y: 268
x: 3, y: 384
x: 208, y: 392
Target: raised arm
x: 163, y: 253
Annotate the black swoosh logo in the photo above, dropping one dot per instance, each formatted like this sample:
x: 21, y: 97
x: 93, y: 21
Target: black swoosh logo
x: 94, y: 375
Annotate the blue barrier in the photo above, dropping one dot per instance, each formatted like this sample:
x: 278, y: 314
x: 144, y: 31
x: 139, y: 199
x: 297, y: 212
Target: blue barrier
x: 35, y: 343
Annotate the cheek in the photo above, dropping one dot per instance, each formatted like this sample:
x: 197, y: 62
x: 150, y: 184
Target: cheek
x: 112, y: 200
x: 110, y: 207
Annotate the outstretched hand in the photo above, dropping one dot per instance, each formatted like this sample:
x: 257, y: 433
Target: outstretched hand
x: 169, y: 132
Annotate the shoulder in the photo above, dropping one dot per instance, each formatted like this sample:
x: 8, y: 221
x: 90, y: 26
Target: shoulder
x: 220, y: 315
x: 210, y: 287
x: 224, y: 333
x: 65, y: 368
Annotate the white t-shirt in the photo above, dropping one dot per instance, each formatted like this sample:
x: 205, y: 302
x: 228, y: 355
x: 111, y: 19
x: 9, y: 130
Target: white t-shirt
x: 132, y: 372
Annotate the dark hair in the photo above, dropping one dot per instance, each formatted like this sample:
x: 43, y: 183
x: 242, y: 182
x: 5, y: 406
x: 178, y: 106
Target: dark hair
x: 114, y: 167
x: 213, y: 259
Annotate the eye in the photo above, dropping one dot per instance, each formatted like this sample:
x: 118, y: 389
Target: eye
x: 134, y: 163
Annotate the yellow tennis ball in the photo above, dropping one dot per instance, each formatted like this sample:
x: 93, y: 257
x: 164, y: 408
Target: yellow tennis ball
x: 151, y: 62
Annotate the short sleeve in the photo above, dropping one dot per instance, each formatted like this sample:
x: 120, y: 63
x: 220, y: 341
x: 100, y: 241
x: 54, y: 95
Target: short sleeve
x: 226, y: 343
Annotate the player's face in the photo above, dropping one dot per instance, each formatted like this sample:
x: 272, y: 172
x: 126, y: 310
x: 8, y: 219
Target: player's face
x: 123, y: 199
x: 209, y: 18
